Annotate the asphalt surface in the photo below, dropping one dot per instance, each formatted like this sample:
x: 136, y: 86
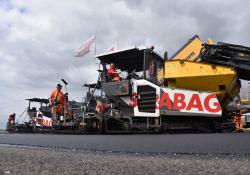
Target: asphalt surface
x: 219, y: 143
x: 49, y: 154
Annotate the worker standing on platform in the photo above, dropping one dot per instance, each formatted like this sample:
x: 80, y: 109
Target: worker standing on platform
x: 100, y: 106
x: 237, y: 118
x: 12, y: 117
x: 56, y: 102
x: 11, y: 122
x: 113, y: 73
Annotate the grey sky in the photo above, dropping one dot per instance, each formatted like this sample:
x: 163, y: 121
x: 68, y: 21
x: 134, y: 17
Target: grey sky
x: 39, y: 37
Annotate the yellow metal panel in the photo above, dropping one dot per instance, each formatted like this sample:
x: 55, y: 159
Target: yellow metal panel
x: 203, y: 77
x: 245, y: 102
x: 190, y: 51
x: 210, y: 41
x: 206, y: 83
x: 181, y: 69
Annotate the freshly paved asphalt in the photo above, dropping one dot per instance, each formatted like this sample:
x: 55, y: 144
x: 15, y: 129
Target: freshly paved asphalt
x: 219, y: 143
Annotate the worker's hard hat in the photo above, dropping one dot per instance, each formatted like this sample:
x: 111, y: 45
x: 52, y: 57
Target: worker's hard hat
x: 59, y: 85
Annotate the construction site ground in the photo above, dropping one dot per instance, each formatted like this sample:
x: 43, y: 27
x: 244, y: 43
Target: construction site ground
x: 33, y: 161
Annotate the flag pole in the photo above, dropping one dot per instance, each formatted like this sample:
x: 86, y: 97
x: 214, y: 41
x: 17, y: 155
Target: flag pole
x: 95, y: 51
x: 95, y: 43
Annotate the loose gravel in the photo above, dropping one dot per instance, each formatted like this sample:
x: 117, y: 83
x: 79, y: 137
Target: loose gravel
x: 17, y: 160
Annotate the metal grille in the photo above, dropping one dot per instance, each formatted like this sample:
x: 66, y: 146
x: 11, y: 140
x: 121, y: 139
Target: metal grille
x: 147, y: 98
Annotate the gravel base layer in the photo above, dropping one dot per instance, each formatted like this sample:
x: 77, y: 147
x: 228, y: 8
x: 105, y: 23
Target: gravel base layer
x: 17, y: 160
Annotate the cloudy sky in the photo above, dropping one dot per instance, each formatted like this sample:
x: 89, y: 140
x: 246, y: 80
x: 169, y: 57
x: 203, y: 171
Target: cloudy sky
x: 38, y: 38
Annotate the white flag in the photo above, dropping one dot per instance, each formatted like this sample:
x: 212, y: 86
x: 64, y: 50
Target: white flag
x: 86, y: 47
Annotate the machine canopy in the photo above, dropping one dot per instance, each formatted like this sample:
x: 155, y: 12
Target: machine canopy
x: 41, y: 100
x: 129, y: 59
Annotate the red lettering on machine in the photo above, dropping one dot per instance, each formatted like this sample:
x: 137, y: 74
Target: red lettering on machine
x: 180, y: 102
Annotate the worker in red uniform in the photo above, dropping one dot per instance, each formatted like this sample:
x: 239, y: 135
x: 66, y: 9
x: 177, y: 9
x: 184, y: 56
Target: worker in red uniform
x: 56, y: 102
x: 151, y: 69
x: 237, y: 118
x: 11, y: 122
x: 113, y: 74
x: 12, y: 117
x: 100, y: 106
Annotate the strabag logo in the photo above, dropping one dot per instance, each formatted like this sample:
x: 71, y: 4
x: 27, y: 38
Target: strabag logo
x: 43, y: 121
x: 189, y: 102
